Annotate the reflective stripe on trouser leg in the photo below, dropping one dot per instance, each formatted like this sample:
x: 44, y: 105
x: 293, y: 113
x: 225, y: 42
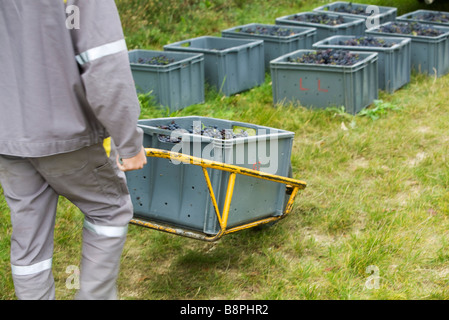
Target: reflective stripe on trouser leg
x: 102, y: 248
x: 31, y: 269
x: 33, y: 206
x: 91, y: 180
x: 103, y: 240
x: 34, y: 282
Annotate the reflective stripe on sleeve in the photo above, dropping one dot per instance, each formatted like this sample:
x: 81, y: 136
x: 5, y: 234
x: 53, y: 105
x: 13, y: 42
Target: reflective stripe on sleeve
x: 101, y: 51
x: 106, y: 231
x: 31, y: 269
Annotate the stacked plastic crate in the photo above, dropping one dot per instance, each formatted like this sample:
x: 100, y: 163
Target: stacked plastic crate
x: 326, y: 81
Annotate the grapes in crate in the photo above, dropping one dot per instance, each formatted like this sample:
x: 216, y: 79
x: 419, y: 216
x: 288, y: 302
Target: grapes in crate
x: 367, y: 42
x: 318, y: 18
x: 160, y: 60
x: 205, y: 131
x: 441, y: 17
x: 349, y: 8
x: 268, y: 30
x: 327, y: 57
x: 411, y: 28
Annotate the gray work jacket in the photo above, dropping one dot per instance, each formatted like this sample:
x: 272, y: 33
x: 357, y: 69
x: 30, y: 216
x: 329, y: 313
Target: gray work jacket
x: 65, y: 78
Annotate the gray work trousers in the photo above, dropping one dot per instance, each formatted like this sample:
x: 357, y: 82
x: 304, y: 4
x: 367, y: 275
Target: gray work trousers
x: 91, y: 181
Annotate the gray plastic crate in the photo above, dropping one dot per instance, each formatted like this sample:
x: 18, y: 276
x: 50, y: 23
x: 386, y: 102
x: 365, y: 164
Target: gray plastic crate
x: 385, y: 14
x: 175, y: 85
x: 394, y: 63
x: 430, y: 55
x: 177, y: 194
x: 320, y: 86
x: 420, y: 16
x: 274, y: 45
x: 231, y: 65
x: 350, y: 25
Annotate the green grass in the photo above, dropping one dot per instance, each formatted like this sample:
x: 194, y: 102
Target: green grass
x: 377, y: 191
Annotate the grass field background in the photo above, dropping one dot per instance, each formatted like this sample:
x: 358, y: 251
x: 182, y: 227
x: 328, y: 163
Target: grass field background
x: 371, y: 224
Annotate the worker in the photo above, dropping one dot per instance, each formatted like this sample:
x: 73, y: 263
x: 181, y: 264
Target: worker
x: 68, y: 127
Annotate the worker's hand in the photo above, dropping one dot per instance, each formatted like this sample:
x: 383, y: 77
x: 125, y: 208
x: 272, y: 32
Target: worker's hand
x: 135, y: 163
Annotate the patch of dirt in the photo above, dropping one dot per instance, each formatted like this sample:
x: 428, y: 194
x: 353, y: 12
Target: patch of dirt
x: 413, y: 190
x: 420, y: 156
x: 358, y: 163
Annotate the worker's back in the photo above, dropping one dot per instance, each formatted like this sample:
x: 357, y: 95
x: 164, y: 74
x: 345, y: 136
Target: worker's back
x: 51, y: 98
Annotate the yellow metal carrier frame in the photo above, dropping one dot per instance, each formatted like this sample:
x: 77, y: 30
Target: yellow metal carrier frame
x: 293, y: 186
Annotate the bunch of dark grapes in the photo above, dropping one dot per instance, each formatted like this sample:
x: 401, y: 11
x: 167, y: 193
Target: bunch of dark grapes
x: 433, y: 16
x: 328, y: 57
x: 170, y: 138
x: 367, y: 42
x: 271, y: 31
x: 349, y: 8
x: 160, y: 60
x: 214, y: 132
x: 318, y: 18
x: 411, y: 28
x: 209, y: 131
